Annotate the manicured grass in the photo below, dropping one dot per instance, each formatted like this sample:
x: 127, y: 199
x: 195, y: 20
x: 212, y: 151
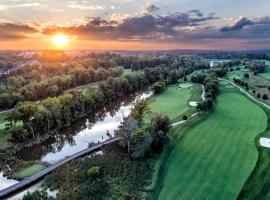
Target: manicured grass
x: 30, y: 171
x: 266, y: 75
x: 238, y: 74
x: 215, y: 157
x: 174, y: 101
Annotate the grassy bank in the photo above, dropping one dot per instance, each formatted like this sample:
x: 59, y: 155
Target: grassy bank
x: 217, y: 156
x: 32, y: 170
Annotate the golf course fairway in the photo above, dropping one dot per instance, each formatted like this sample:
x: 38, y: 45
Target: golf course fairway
x: 216, y: 157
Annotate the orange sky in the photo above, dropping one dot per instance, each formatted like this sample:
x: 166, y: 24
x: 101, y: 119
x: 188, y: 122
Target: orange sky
x: 37, y: 44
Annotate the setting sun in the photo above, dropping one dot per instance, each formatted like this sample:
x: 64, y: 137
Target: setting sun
x: 60, y: 40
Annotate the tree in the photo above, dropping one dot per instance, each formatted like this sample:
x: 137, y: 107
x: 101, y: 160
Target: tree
x: 160, y: 126
x: 139, y: 110
x: 246, y: 75
x: 264, y: 97
x: 18, y: 133
x: 158, y: 87
x: 258, y: 95
x: 37, y: 195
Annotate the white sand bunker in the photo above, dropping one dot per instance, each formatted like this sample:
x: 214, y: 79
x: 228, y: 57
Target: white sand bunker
x: 193, y: 103
x: 265, y: 142
x: 185, y: 85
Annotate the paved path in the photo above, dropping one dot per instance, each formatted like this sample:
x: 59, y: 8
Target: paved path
x: 28, y: 181
x: 5, y: 111
x: 247, y: 93
x: 203, y: 93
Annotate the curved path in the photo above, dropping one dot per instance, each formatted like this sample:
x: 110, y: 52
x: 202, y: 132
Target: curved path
x: 28, y: 181
x: 245, y: 92
x: 5, y: 111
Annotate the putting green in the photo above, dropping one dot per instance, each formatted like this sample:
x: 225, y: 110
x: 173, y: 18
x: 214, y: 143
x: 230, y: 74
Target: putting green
x: 174, y: 101
x: 216, y: 157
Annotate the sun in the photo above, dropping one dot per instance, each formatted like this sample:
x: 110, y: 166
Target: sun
x: 60, y: 40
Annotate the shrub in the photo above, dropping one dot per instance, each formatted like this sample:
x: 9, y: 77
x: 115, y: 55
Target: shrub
x: 185, y: 117
x: 93, y: 171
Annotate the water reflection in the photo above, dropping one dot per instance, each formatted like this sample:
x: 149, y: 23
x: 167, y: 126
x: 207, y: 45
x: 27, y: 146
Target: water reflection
x: 4, y: 182
x: 96, y: 128
x: 33, y: 188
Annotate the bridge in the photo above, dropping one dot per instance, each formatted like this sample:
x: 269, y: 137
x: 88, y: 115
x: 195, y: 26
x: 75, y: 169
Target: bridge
x: 28, y: 181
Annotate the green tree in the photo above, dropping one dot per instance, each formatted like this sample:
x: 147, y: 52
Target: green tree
x: 139, y: 110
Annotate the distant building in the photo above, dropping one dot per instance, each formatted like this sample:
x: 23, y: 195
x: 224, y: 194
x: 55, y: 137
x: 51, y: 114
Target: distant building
x: 216, y: 63
x: 256, y: 63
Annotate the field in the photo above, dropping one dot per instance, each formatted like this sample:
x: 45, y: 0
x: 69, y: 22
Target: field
x: 30, y: 171
x: 174, y: 101
x: 216, y: 157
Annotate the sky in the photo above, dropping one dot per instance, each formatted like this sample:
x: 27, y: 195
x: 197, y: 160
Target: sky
x: 136, y: 24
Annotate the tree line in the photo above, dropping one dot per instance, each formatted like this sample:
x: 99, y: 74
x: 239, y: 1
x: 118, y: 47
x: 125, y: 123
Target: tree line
x: 56, y: 112
x: 210, y: 82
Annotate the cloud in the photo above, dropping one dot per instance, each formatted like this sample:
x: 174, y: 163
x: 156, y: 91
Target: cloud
x: 142, y: 27
x: 239, y: 25
x: 150, y: 9
x: 86, y: 7
x: 196, y: 12
x: 11, y: 31
x: 5, y: 7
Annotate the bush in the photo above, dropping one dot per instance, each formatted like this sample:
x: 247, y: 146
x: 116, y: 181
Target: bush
x: 185, y: 117
x: 93, y: 171
x: 259, y: 95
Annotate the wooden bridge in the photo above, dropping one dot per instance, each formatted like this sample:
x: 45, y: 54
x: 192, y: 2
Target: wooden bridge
x: 28, y: 181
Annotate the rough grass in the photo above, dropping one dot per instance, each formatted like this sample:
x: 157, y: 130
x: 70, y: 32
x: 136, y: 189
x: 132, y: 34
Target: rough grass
x: 173, y: 102
x: 216, y: 157
x: 32, y: 170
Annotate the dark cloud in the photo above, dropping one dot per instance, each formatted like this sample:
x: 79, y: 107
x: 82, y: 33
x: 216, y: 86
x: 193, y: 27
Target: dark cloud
x: 151, y: 8
x: 144, y: 26
x: 239, y: 25
x: 183, y: 28
x: 196, y: 12
x: 10, y: 31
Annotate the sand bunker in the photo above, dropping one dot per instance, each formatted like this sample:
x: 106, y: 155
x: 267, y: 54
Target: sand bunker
x: 193, y: 103
x: 265, y: 142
